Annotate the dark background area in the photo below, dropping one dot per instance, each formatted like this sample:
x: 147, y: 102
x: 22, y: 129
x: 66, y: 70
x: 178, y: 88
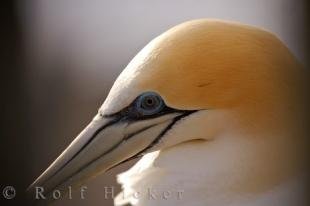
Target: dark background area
x: 46, y: 96
x: 14, y: 133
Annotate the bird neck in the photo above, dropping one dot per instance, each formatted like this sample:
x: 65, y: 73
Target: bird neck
x: 229, y: 170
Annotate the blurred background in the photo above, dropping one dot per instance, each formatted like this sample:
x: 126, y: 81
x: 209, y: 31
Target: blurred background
x: 60, y: 58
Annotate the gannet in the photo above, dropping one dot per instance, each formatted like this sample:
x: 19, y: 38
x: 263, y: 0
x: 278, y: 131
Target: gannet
x: 216, y: 111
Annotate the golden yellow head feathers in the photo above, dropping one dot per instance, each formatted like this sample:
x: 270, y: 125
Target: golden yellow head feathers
x: 211, y: 64
x: 207, y: 80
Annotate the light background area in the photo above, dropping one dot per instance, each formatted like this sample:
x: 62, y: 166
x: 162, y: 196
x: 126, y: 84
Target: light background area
x: 76, y: 48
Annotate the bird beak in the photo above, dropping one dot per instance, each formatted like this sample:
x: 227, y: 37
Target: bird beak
x: 103, y: 144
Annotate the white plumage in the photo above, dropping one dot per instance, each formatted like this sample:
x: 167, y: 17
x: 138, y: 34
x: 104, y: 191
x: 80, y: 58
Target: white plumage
x: 202, y: 173
x: 217, y: 110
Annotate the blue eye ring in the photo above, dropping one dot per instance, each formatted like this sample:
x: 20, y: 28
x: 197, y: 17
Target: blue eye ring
x: 149, y: 103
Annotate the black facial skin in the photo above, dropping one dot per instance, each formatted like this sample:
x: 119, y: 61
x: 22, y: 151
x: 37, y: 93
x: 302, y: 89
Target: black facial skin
x: 130, y: 114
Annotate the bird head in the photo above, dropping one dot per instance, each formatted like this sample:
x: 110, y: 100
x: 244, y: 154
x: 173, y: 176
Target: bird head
x: 197, y: 81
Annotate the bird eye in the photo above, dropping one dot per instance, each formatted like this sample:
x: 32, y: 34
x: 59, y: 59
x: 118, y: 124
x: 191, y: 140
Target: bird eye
x: 149, y: 103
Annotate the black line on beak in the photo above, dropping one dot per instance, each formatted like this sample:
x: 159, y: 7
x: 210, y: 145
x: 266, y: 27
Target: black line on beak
x: 175, y: 120
x: 158, y: 138
x: 105, y: 153
x: 125, y: 115
x: 115, y: 146
x: 112, y: 122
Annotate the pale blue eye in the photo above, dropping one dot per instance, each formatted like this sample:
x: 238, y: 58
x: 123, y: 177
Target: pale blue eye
x: 149, y: 103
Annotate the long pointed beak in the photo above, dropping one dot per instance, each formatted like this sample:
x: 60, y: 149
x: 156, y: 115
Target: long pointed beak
x: 104, y: 143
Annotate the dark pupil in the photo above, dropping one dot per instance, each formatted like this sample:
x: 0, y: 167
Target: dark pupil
x: 149, y: 102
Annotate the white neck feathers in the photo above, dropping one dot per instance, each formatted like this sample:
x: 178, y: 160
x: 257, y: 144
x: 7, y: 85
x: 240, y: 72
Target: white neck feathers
x: 226, y: 171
